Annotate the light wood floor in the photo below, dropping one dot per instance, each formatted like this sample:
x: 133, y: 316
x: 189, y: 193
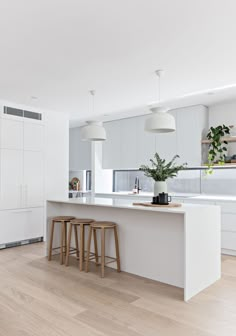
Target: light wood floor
x: 38, y: 297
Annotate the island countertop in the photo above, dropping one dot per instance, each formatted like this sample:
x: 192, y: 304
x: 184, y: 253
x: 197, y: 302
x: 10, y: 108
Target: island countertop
x: 128, y: 204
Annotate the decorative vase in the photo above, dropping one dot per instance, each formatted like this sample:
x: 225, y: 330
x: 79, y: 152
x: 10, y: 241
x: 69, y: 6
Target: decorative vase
x: 160, y: 187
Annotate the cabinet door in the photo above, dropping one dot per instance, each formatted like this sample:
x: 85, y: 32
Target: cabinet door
x: 191, y: 124
x: 21, y: 224
x: 11, y: 226
x: 145, y: 143
x: 33, y: 189
x: 33, y: 136
x: 11, y: 134
x: 128, y: 143
x: 166, y: 145
x: 112, y: 146
x: 11, y: 178
x: 34, y: 223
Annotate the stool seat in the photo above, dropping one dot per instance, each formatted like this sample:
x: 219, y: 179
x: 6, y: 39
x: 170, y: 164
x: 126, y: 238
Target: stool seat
x: 62, y: 218
x: 103, y: 225
x: 78, y: 221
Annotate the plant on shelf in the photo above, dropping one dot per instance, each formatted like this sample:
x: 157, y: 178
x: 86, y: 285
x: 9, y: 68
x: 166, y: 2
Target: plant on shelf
x: 217, y: 148
x: 160, y: 171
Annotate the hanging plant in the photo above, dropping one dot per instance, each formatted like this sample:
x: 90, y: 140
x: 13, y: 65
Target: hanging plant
x: 217, y: 147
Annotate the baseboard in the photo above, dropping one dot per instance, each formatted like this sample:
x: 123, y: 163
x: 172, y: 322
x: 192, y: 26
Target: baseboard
x: 21, y: 242
x: 228, y: 252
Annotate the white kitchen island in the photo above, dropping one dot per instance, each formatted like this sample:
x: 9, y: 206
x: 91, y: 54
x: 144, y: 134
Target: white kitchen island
x: 177, y: 246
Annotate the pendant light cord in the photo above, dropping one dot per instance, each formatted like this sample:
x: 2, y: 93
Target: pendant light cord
x: 158, y: 74
x: 92, y: 92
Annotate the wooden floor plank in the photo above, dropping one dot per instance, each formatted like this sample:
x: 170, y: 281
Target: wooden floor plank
x: 45, y: 298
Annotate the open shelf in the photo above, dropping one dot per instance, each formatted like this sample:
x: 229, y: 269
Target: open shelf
x: 228, y: 139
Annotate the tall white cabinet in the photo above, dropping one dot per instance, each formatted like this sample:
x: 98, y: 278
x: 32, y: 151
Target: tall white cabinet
x: 21, y: 177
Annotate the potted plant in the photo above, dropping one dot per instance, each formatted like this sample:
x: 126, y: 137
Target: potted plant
x: 218, y: 147
x: 160, y: 171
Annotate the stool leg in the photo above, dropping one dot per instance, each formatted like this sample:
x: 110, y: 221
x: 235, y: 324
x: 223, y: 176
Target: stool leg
x: 68, y: 245
x: 117, y: 249
x: 62, y: 242
x: 65, y: 239
x: 88, y: 248
x: 51, y: 241
x: 102, y: 251
x: 76, y: 241
x: 81, y: 252
x: 95, y: 245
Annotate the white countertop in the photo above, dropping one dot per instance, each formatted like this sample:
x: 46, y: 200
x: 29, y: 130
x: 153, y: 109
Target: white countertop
x: 127, y: 204
x: 203, y: 197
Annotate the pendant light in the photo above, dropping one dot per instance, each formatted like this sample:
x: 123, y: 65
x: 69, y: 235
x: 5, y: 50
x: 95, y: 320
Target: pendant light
x: 94, y: 130
x: 160, y: 121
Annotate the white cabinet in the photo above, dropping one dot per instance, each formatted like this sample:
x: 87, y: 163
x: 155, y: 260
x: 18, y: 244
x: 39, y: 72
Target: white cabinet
x: 111, y: 157
x: 33, y: 136
x: 11, y: 176
x: 80, y: 152
x: 11, y: 134
x: 21, y: 224
x: 33, y: 186
x: 128, y: 143
x: 145, y: 143
x: 191, y: 124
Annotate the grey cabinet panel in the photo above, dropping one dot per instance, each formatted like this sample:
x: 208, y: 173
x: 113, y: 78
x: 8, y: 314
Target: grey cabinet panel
x: 112, y: 146
x: 80, y: 152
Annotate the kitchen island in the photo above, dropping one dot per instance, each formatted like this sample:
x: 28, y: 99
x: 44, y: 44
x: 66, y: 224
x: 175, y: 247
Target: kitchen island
x: 177, y: 246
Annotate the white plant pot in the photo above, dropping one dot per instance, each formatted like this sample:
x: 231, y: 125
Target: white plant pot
x: 160, y: 187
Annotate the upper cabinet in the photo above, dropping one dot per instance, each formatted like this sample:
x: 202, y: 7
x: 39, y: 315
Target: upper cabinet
x: 12, y: 134
x: 80, y: 151
x: 33, y: 136
x: 145, y: 142
x: 128, y: 145
x: 191, y: 127
x: 111, y: 157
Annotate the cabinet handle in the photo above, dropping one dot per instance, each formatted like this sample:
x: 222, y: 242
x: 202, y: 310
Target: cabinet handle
x: 26, y: 195
x: 21, y: 194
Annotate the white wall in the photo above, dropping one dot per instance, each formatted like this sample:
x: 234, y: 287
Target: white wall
x: 57, y: 155
x: 101, y: 178
x: 224, y: 113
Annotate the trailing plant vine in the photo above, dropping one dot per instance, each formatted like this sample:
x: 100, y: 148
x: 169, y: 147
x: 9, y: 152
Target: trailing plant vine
x: 217, y: 148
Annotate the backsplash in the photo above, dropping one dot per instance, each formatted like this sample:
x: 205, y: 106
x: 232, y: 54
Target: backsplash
x: 222, y: 181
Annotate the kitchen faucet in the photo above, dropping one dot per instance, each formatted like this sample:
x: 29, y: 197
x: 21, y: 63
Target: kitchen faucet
x: 136, y: 185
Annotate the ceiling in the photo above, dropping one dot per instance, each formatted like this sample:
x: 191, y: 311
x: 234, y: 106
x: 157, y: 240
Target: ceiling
x: 57, y: 50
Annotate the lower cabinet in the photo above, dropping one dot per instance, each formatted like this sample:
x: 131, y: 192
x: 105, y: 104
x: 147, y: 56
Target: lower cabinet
x: 21, y: 224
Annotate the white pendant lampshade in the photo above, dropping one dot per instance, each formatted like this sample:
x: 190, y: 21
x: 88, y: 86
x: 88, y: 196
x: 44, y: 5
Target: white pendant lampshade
x: 160, y: 121
x: 93, y: 131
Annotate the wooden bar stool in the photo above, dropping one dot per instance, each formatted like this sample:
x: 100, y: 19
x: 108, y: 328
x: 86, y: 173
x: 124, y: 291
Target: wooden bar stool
x: 103, y: 226
x: 63, y: 220
x: 79, y: 250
